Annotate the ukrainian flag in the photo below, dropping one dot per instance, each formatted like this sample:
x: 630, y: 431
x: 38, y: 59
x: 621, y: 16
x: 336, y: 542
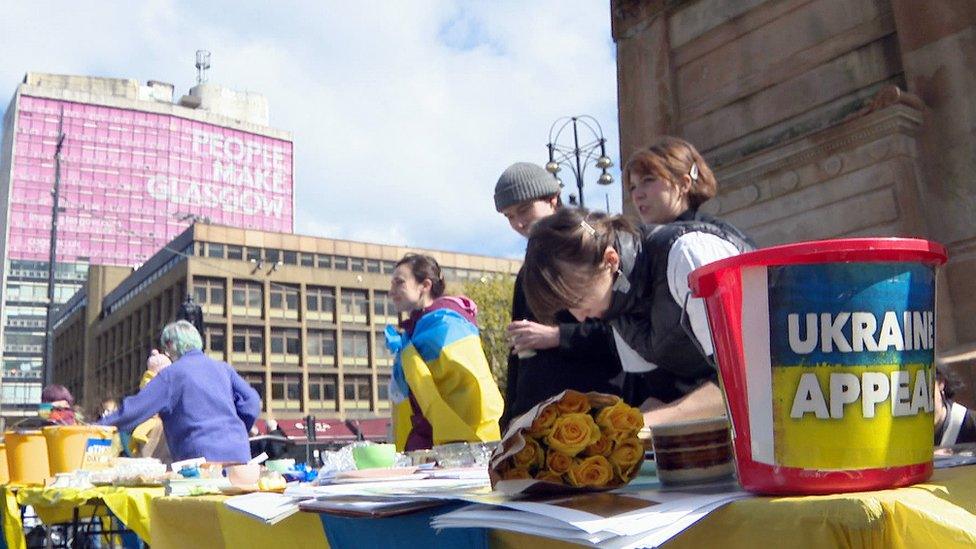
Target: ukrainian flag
x: 446, y: 371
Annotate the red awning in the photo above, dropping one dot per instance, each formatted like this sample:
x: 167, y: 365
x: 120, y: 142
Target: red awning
x: 375, y: 429
x: 325, y: 429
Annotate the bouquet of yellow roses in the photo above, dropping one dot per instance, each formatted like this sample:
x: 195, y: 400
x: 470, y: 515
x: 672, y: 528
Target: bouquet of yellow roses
x: 583, y: 441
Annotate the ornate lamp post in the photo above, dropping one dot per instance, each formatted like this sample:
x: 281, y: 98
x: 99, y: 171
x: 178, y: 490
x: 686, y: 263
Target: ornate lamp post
x: 578, y: 156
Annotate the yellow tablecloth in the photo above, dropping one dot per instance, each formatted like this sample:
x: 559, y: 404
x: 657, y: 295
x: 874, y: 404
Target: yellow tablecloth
x: 56, y: 505
x: 938, y: 513
x: 205, y: 523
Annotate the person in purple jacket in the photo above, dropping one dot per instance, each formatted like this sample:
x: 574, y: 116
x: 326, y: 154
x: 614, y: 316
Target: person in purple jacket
x: 206, y: 407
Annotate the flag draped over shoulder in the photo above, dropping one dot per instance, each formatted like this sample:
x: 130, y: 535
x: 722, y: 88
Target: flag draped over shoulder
x: 444, y: 368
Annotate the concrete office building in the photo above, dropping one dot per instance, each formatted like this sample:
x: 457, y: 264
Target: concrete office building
x: 301, y: 318
x: 136, y: 165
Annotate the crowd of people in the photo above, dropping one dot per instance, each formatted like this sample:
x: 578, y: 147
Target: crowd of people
x: 600, y: 305
x: 597, y: 306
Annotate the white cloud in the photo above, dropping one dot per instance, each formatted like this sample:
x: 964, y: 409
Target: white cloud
x: 403, y: 114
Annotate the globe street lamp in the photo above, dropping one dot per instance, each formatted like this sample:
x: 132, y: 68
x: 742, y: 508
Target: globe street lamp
x: 577, y: 157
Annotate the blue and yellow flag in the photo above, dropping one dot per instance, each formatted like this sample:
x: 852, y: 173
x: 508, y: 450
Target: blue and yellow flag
x: 445, y: 369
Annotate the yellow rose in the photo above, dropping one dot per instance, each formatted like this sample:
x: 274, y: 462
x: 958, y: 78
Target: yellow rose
x: 573, y: 402
x: 542, y: 423
x: 558, y: 463
x: 601, y: 447
x: 572, y: 433
x: 620, y: 420
x: 550, y: 476
x: 516, y: 473
x: 592, y: 472
x: 531, y: 455
x: 627, y: 452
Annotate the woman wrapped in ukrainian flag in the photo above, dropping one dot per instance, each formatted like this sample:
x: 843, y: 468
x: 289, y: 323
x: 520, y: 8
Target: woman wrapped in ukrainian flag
x: 442, y: 389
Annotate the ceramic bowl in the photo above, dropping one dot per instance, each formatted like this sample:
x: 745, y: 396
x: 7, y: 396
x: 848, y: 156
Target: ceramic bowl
x: 244, y: 475
x: 693, y: 451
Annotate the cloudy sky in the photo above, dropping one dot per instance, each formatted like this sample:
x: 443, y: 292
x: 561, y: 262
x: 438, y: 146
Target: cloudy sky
x: 404, y: 113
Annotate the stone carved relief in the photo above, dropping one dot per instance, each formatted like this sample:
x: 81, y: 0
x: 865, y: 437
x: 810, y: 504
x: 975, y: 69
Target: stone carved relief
x: 827, y: 154
x: 832, y: 165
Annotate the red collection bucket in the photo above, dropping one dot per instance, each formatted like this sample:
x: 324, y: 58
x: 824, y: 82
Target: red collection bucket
x: 826, y: 356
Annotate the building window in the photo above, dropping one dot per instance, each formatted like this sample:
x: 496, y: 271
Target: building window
x: 248, y: 298
x: 321, y: 347
x: 388, y: 266
x: 248, y: 344
x: 383, y: 392
x: 323, y: 261
x: 283, y: 301
x: 210, y: 293
x: 340, y: 263
x: 322, y: 392
x: 289, y: 258
x: 215, y: 339
x: 355, y: 306
x: 355, y: 349
x: 235, y: 252
x: 383, y: 356
x: 253, y: 254
x: 357, y: 264
x: 256, y: 381
x: 286, y: 392
x: 272, y: 255
x: 357, y: 392
x: 372, y: 266
x: 306, y: 259
x: 285, y: 345
x: 215, y: 250
x: 320, y: 303
x: 384, y: 310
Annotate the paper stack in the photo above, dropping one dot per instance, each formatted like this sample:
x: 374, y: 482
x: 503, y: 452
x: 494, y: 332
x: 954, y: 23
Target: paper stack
x: 265, y: 506
x: 388, y: 498
x: 617, y: 520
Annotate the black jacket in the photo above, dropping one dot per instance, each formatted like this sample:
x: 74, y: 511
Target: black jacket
x: 585, y: 360
x: 646, y: 316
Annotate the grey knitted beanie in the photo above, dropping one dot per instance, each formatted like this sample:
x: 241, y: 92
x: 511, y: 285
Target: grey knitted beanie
x: 523, y: 181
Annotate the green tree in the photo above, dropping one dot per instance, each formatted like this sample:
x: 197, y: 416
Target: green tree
x: 494, y: 298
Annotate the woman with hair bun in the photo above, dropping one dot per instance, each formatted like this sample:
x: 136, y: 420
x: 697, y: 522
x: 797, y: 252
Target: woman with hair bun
x: 600, y: 266
x: 442, y: 388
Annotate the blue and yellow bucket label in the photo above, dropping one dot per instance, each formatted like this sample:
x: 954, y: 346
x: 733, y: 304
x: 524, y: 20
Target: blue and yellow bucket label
x: 839, y: 361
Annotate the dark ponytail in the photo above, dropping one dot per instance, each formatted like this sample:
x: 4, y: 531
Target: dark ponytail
x: 424, y: 267
x: 565, y: 254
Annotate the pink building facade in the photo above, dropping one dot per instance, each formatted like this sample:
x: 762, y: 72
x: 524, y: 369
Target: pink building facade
x: 128, y: 177
x: 136, y: 169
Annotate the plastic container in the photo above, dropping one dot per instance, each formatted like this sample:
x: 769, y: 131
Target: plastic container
x: 4, y: 472
x: 26, y: 457
x: 693, y: 451
x: 826, y: 353
x: 66, y: 444
x: 373, y: 456
x: 280, y: 465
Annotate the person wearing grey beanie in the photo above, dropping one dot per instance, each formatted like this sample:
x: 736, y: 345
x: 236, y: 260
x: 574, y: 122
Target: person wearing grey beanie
x: 547, y: 360
x: 525, y: 193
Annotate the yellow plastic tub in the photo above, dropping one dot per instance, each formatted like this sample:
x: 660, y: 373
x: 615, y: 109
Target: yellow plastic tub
x: 4, y: 473
x: 66, y: 444
x: 26, y: 457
